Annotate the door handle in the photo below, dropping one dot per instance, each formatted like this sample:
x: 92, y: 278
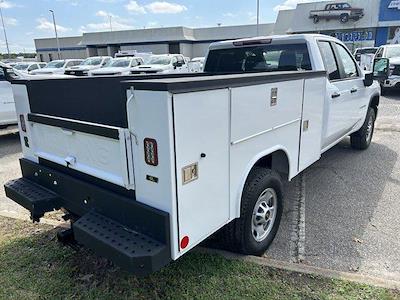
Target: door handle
x: 335, y: 95
x: 354, y: 90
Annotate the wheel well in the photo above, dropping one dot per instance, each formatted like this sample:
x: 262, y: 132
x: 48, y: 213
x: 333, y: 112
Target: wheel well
x: 277, y: 161
x: 374, y: 103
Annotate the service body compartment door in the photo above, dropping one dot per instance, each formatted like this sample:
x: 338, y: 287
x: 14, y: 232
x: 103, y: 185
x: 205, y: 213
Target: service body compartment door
x: 107, y: 158
x: 202, y: 162
x: 312, y: 117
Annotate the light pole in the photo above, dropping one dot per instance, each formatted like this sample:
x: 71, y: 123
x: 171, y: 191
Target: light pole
x: 4, y: 29
x: 110, y: 17
x: 55, y: 30
x: 258, y: 17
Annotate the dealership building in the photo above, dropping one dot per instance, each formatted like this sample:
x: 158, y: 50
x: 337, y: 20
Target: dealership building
x: 358, y: 23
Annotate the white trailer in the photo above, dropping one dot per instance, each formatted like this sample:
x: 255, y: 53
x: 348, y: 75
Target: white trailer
x: 148, y: 173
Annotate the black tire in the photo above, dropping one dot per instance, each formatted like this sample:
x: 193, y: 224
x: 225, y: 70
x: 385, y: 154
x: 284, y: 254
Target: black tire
x: 315, y: 19
x: 238, y: 235
x: 361, y: 139
x: 344, y: 18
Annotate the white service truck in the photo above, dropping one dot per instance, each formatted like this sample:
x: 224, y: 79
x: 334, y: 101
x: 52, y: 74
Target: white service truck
x: 147, y: 167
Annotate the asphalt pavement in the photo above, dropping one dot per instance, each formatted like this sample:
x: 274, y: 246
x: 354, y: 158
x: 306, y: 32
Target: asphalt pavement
x: 341, y: 213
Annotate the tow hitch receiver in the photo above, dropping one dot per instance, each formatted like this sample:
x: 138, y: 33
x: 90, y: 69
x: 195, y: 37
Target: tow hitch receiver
x: 35, y: 198
x: 131, y: 250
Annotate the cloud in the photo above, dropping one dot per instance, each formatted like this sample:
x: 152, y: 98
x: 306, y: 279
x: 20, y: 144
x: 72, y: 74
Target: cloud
x: 163, y: 7
x: 134, y: 7
x: 290, y: 4
x: 117, y: 23
x: 229, y: 15
x: 157, y: 7
x: 46, y: 25
x: 7, y: 4
x: 10, y: 22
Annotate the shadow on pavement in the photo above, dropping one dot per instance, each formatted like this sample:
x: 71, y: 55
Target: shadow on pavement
x: 348, y: 221
x: 9, y: 143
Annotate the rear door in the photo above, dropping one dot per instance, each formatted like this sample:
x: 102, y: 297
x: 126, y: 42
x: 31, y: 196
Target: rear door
x: 353, y: 81
x: 339, y: 106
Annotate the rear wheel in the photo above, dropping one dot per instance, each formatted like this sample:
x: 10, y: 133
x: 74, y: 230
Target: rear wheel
x: 261, y: 212
x: 315, y: 19
x: 361, y: 139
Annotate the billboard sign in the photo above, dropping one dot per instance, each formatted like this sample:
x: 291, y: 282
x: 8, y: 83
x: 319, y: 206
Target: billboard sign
x: 389, y: 10
x: 344, y: 12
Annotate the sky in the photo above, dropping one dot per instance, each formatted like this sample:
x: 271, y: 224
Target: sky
x: 26, y: 20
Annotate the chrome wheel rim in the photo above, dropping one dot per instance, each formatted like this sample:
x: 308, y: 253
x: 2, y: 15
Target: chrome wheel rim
x: 264, y: 214
x: 370, y: 127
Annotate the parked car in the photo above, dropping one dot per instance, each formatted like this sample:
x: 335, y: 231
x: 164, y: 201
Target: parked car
x: 57, y: 67
x: 28, y: 67
x: 118, y: 67
x: 391, y: 52
x: 196, y: 64
x: 149, y: 168
x: 8, y: 115
x: 162, y: 64
x: 89, y: 64
x: 341, y: 11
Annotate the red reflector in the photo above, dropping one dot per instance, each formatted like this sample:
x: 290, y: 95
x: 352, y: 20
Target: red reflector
x: 150, y: 152
x: 22, y: 121
x: 184, y: 242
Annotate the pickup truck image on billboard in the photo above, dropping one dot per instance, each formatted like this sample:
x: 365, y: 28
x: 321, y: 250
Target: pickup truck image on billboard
x: 340, y: 11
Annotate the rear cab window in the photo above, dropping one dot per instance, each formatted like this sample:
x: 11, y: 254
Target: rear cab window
x: 259, y: 58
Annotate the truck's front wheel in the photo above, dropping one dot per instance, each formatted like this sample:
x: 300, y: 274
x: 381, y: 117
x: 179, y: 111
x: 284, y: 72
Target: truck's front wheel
x: 361, y: 139
x: 261, y: 212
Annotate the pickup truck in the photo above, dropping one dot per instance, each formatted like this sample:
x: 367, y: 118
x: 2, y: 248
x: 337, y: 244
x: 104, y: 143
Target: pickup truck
x: 89, y: 64
x: 162, y: 64
x: 148, y: 167
x: 392, y: 53
x: 7, y: 106
x: 340, y: 11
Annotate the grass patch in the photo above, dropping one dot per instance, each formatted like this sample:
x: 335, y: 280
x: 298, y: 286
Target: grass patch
x: 34, y: 266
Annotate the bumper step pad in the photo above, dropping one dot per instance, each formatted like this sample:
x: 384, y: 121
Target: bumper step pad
x: 32, y: 196
x: 131, y: 250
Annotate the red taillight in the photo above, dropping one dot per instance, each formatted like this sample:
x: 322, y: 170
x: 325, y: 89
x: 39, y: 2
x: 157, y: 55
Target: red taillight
x: 150, y: 152
x: 22, y: 121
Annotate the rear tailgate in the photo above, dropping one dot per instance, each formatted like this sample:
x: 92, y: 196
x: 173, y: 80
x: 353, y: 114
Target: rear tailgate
x: 97, y: 150
x: 82, y: 125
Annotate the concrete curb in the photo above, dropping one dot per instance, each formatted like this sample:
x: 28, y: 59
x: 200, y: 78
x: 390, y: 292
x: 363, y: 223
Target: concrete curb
x: 310, y: 270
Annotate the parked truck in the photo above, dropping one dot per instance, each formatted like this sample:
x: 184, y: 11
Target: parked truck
x: 341, y: 11
x: 148, y: 167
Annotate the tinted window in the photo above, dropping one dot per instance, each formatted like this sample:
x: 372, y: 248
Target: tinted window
x: 379, y: 53
x: 329, y: 60
x: 267, y: 58
x: 33, y: 67
x: 349, y: 66
x: 366, y: 51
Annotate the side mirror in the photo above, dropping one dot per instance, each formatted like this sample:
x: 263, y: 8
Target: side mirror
x: 369, y: 79
x: 381, y: 69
